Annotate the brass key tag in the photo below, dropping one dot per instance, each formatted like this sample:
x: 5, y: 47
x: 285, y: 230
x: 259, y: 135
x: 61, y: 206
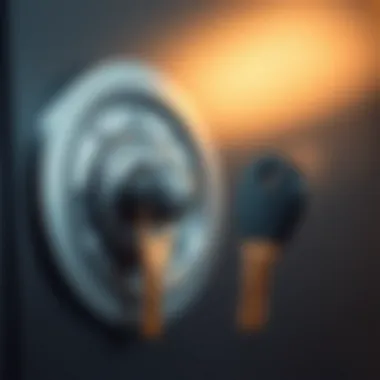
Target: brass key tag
x: 155, y: 248
x: 258, y: 260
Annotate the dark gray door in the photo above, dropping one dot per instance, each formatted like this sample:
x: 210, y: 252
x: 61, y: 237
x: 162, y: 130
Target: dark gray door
x: 326, y: 314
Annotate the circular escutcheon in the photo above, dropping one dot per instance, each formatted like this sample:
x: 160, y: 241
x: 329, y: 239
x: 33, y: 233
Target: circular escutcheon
x: 110, y: 120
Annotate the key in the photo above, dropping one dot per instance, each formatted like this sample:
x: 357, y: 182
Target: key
x: 271, y: 199
x: 156, y: 245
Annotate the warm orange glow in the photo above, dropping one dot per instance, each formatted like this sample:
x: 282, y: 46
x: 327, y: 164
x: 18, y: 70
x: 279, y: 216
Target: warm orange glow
x: 374, y: 10
x: 310, y: 157
x: 270, y: 69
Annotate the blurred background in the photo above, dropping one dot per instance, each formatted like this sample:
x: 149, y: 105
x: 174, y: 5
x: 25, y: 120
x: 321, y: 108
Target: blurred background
x: 299, y: 77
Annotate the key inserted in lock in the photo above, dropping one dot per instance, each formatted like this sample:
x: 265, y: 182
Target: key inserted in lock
x: 138, y: 224
x: 119, y: 157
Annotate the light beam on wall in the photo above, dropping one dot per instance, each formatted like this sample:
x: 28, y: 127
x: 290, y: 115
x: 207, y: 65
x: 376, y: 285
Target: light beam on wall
x: 270, y: 69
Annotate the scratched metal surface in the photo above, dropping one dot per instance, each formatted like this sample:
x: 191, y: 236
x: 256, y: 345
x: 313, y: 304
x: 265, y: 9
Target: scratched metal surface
x: 326, y: 303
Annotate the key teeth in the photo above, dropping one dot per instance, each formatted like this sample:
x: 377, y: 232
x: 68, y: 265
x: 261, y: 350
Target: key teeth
x: 258, y: 260
x: 156, y: 248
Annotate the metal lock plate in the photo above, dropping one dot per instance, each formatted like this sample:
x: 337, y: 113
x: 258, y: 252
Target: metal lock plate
x: 117, y: 116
